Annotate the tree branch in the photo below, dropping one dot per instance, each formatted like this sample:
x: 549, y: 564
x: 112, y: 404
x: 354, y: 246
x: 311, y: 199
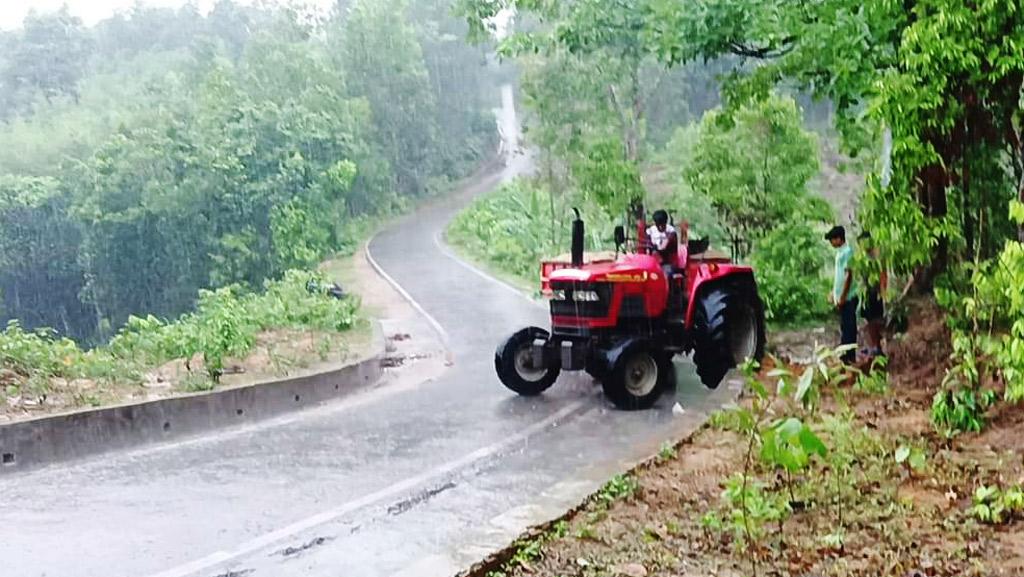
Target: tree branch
x: 763, y: 52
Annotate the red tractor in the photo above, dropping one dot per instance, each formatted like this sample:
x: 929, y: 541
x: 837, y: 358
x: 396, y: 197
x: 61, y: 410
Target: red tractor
x: 622, y: 321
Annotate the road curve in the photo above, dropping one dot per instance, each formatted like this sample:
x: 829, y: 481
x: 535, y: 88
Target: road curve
x: 416, y: 478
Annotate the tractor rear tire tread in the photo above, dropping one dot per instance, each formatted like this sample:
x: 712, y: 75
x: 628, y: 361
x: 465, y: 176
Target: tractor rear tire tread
x: 712, y: 353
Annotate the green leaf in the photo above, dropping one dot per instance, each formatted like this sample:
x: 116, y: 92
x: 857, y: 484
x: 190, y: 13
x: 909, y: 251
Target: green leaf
x: 917, y: 460
x: 1017, y: 211
x: 758, y: 388
x: 812, y: 443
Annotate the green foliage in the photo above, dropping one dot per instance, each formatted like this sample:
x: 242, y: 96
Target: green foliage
x: 987, y: 325
x: 384, y: 60
x: 785, y: 437
x: 617, y: 488
x: 912, y: 457
x: 996, y: 506
x: 519, y: 225
x: 754, y: 166
x: 36, y: 355
x: 300, y: 236
x: 875, y: 380
x: 789, y: 444
x: 751, y: 169
x: 46, y: 58
x: 529, y: 550
x: 749, y: 506
x: 667, y: 452
x: 961, y: 410
x: 225, y: 324
x: 692, y: 206
x: 607, y: 179
x: 789, y: 262
x: 164, y: 152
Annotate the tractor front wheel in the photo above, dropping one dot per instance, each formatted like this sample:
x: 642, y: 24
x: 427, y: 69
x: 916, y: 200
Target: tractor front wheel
x: 514, y: 363
x: 637, y: 376
x: 729, y: 328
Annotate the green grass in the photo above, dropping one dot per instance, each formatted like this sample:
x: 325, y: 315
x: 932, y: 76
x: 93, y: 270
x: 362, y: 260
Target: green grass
x: 224, y: 325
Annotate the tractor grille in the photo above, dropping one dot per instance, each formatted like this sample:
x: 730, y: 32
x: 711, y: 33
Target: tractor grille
x: 570, y: 307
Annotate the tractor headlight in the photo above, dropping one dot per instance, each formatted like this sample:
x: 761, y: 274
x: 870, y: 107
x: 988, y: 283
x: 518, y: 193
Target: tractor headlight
x: 585, y: 296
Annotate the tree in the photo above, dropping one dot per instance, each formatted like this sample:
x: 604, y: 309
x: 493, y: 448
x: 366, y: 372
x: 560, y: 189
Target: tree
x: 384, y: 61
x: 754, y: 166
x: 222, y: 150
x: 943, y: 75
x: 46, y: 58
x: 463, y: 85
x: 40, y: 276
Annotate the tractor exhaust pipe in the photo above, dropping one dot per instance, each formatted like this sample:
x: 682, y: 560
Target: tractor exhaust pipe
x: 577, y: 240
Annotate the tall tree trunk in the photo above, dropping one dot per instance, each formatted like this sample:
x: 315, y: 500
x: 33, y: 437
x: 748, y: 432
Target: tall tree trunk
x: 933, y: 181
x: 966, y: 208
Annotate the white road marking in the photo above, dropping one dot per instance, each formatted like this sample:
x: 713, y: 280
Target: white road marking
x: 448, y: 253
x: 387, y: 493
x: 405, y: 295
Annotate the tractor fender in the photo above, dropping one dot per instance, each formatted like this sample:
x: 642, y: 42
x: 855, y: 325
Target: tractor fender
x: 611, y: 355
x: 708, y: 279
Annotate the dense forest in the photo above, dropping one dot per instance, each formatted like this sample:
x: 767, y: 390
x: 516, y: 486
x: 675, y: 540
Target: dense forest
x: 164, y: 151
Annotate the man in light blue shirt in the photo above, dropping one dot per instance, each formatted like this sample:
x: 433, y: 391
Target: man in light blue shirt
x: 844, y: 291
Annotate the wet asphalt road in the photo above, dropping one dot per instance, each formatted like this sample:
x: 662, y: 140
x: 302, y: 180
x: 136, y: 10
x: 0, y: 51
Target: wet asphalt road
x: 414, y: 478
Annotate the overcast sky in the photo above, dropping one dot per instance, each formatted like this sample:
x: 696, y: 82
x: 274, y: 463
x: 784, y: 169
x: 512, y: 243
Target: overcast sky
x: 91, y: 11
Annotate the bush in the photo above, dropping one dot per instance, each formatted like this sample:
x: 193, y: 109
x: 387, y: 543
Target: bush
x: 789, y: 263
x: 515, y: 228
x: 225, y: 324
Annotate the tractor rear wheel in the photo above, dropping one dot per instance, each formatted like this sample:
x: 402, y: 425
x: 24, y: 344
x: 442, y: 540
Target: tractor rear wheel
x: 597, y: 367
x: 637, y: 376
x: 728, y: 329
x: 514, y: 363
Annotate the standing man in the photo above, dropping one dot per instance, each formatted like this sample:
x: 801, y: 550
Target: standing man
x: 844, y: 292
x: 873, y: 309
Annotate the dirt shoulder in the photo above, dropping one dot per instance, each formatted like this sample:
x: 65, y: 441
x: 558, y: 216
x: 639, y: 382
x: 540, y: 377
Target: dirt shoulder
x: 889, y: 497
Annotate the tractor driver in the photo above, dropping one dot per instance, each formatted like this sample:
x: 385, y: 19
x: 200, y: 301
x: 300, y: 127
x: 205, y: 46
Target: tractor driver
x: 664, y: 242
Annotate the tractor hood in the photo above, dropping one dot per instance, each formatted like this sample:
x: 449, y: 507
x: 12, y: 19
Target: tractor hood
x: 628, y: 268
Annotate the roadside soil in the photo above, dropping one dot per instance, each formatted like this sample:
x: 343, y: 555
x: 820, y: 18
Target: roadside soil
x: 893, y: 520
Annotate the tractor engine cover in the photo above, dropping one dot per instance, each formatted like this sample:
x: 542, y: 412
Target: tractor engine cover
x: 597, y: 296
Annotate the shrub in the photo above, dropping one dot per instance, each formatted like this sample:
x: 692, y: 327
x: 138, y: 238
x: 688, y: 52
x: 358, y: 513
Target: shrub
x: 516, y: 227
x: 789, y: 263
x: 225, y: 324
